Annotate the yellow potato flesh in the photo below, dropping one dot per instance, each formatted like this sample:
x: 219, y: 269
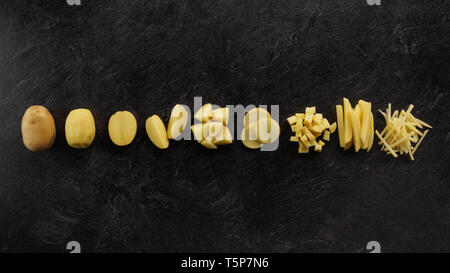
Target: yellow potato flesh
x: 80, y: 128
x: 249, y: 137
x: 221, y: 114
x: 224, y: 138
x: 156, y: 131
x: 204, y: 113
x: 268, y: 130
x: 255, y: 114
x: 177, y: 122
x: 197, y: 131
x: 122, y: 128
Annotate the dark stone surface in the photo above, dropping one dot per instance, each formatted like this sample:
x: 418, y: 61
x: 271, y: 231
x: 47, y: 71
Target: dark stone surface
x: 146, y: 56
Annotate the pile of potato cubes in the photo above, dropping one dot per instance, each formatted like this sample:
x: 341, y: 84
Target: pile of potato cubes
x: 308, y: 127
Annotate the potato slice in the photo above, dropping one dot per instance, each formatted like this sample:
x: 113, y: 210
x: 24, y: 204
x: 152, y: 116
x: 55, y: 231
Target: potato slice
x: 268, y: 131
x: 249, y: 137
x: 255, y: 114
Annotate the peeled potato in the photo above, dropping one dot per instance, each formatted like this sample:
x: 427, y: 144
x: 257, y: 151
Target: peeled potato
x: 80, y: 128
x: 213, y: 129
x: 208, y: 143
x: 177, y: 122
x: 156, y: 131
x: 224, y: 138
x: 268, y: 130
x: 256, y: 114
x: 122, y: 128
x: 38, y: 128
x: 221, y: 114
x: 204, y: 113
x: 197, y: 131
x: 249, y: 136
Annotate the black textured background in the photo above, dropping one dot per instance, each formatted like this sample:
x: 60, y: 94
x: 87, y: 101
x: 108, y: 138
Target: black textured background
x: 146, y: 56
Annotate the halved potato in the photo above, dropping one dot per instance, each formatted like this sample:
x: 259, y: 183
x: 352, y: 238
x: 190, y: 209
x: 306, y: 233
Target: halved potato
x: 177, y: 121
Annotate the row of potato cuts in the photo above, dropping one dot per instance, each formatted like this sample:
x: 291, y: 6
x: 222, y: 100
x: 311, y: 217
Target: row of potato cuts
x: 38, y: 128
x: 401, y: 135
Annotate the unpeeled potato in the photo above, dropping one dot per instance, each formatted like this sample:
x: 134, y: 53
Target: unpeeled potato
x: 38, y: 128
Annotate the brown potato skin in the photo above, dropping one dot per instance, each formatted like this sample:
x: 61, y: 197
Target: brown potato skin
x: 38, y: 128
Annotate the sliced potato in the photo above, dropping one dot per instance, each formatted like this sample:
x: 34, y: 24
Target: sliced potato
x: 249, y: 137
x: 255, y: 114
x: 268, y: 130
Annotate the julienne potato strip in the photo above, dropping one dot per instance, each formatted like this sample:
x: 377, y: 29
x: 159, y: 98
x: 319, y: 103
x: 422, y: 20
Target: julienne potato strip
x: 355, y: 125
x: 308, y: 127
x: 401, y: 131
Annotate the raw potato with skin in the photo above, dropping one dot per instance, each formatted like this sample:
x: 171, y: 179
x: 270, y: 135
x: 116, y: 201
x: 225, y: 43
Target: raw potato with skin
x: 38, y: 128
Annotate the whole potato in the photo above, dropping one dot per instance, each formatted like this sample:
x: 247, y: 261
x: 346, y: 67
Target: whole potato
x: 38, y: 128
x: 80, y: 128
x: 122, y: 127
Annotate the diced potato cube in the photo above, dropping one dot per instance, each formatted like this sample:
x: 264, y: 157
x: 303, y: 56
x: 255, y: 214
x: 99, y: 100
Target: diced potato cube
x: 299, y: 116
x: 302, y: 149
x: 317, y: 119
x: 333, y: 127
x: 325, y: 123
x: 308, y: 134
x: 308, y: 119
x: 294, y: 139
x: 315, y: 129
x: 292, y: 120
x: 321, y: 143
x: 316, y: 135
x: 326, y: 135
x: 317, y: 148
x: 311, y: 110
x: 304, y: 139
